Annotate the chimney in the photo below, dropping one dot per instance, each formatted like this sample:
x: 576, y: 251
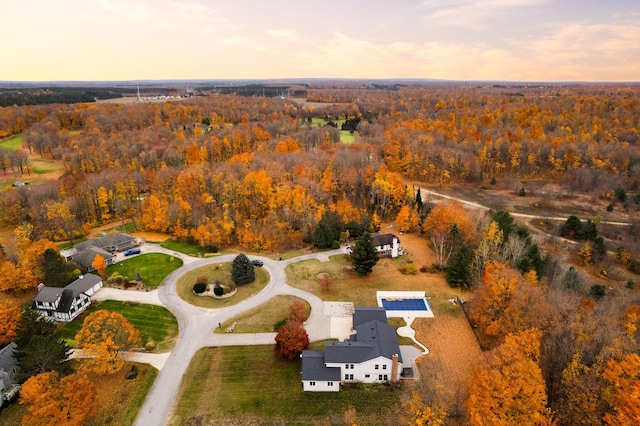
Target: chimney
x: 40, y: 286
x: 394, y: 369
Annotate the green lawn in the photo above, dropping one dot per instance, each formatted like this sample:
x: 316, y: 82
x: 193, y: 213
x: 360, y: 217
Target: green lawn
x: 347, y: 137
x: 153, y: 322
x: 252, y: 385
x: 154, y: 267
x: 182, y: 247
x: 13, y: 143
x: 221, y: 272
x: 42, y: 166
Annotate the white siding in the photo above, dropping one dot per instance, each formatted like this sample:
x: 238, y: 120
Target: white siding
x: 319, y: 386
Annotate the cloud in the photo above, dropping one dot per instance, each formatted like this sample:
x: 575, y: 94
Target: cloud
x: 470, y: 13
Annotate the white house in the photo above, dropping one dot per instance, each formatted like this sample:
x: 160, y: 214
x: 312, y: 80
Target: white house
x: 371, y: 355
x: 64, y: 304
x: 386, y: 244
x: 8, y: 369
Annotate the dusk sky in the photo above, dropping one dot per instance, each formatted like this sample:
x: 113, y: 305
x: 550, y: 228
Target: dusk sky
x: 525, y: 40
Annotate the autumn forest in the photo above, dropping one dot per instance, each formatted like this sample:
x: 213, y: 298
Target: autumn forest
x: 558, y: 329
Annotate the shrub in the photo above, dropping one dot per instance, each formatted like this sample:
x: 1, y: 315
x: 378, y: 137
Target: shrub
x: 424, y: 268
x: 610, y: 208
x: 279, y: 324
x: 408, y: 269
x: 630, y: 284
x: 133, y: 373
x: 634, y: 265
x: 335, y: 245
x: 199, y: 288
x: 150, y: 345
x: 597, y: 291
x: 218, y: 291
x: 522, y: 192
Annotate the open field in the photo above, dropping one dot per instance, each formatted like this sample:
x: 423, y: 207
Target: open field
x: 154, y: 267
x: 253, y: 385
x: 153, y: 322
x: 119, y: 399
x: 263, y: 318
x: 221, y: 272
x: 12, y: 143
x: 182, y: 247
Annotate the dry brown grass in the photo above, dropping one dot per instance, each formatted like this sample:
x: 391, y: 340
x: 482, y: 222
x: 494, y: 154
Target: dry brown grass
x: 263, y: 318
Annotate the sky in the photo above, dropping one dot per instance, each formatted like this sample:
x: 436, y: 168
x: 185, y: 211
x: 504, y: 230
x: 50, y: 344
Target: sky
x: 513, y: 40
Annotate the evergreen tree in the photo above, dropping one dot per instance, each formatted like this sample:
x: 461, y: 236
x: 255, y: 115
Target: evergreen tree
x: 364, y: 255
x: 419, y: 203
x: 56, y: 272
x: 459, y: 272
x: 572, y: 227
x: 40, y: 347
x: 242, y: 270
x: 328, y: 230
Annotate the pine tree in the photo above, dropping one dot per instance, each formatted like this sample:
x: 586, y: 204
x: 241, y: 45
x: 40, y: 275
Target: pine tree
x: 56, y: 272
x: 364, y: 255
x: 242, y: 270
x: 459, y: 272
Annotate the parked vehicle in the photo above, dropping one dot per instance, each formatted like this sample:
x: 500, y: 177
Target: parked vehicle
x: 257, y: 262
x: 132, y: 252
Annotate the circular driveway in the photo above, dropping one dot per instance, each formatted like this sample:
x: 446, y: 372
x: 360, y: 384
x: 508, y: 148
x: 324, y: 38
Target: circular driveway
x: 197, y: 325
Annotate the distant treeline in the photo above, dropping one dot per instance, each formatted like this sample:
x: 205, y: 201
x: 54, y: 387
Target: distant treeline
x: 60, y: 95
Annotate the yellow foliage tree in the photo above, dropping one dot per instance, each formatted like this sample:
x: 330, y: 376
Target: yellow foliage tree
x: 106, y: 335
x: 69, y: 401
x: 424, y: 415
x: 624, y: 390
x: 407, y: 219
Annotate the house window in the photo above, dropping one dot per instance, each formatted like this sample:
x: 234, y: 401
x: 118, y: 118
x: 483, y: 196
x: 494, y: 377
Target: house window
x: 330, y: 384
x: 312, y: 383
x: 346, y: 377
x: 366, y: 376
x: 350, y: 376
x: 352, y: 366
x: 384, y: 366
x: 377, y: 366
x: 380, y: 377
x: 386, y: 378
x: 347, y: 366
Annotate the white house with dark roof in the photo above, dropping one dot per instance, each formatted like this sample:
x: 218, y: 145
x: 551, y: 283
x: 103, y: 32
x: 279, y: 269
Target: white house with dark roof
x: 386, y: 244
x: 371, y: 355
x: 64, y: 304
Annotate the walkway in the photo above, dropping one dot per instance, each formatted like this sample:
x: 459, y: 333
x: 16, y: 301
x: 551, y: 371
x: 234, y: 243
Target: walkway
x: 197, y: 325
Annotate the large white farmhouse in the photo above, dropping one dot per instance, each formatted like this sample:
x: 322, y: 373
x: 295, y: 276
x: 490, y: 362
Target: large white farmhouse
x: 64, y: 304
x: 371, y: 355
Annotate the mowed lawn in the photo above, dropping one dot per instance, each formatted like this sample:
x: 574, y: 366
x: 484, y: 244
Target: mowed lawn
x: 264, y: 318
x: 153, y: 267
x: 253, y: 385
x: 13, y: 143
x: 153, y: 322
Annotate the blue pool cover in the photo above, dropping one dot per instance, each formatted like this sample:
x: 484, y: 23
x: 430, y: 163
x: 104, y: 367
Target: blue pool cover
x: 405, y: 305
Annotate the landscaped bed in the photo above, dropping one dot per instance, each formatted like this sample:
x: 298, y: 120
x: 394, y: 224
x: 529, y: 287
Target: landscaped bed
x: 222, y: 273
x: 153, y: 267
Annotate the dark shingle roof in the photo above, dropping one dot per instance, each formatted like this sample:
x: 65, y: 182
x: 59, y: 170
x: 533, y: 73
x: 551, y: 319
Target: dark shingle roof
x: 373, y: 339
x: 48, y: 294
x: 364, y: 314
x: 383, y: 239
x: 84, y: 283
x: 313, y: 367
x: 86, y: 256
x: 105, y: 242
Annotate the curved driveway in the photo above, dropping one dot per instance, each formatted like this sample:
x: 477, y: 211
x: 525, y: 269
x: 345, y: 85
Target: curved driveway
x: 197, y: 325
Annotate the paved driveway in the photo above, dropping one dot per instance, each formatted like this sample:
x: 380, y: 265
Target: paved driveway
x: 197, y: 325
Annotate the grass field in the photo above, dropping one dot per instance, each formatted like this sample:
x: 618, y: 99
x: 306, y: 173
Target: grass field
x: 252, y: 385
x: 263, y: 318
x: 13, y: 143
x: 347, y: 137
x: 153, y: 322
x: 182, y: 247
x: 154, y: 267
x: 221, y: 272
x: 119, y: 399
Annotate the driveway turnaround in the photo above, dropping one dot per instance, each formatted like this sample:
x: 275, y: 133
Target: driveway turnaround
x: 197, y: 325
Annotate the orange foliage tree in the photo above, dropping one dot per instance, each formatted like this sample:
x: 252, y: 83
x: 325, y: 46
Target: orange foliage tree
x: 508, y: 302
x: 448, y: 225
x: 100, y: 265
x: 10, y: 314
x: 421, y: 414
x: 507, y: 387
x: 291, y: 339
x: 69, y: 401
x: 624, y: 390
x: 106, y: 335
